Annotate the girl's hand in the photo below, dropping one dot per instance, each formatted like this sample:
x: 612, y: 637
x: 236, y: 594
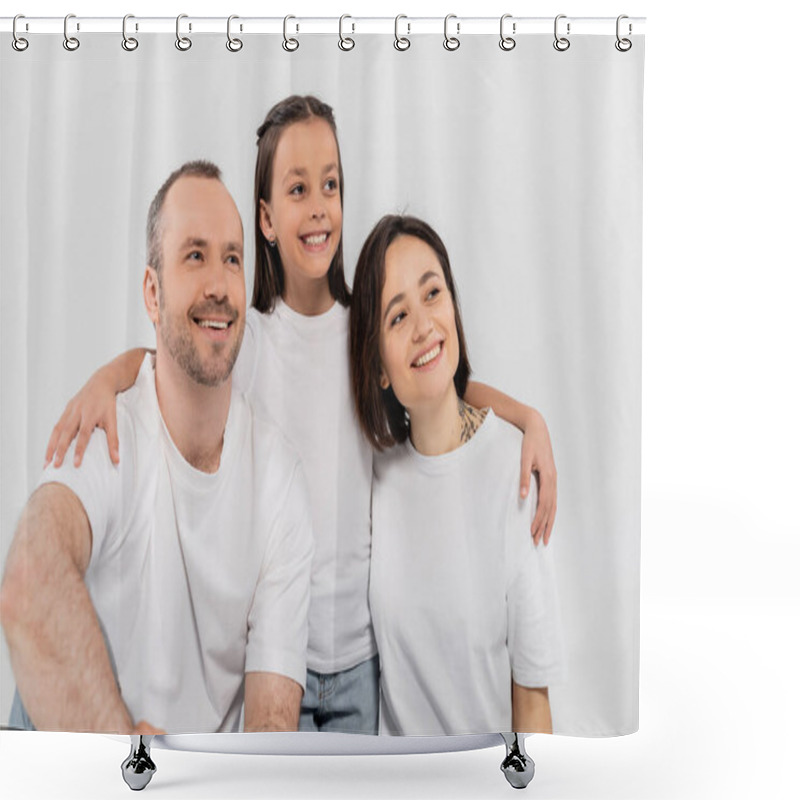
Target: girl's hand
x: 94, y: 406
x: 537, y: 457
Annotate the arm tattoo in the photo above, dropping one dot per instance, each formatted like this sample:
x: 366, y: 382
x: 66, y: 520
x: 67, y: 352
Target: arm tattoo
x: 471, y: 419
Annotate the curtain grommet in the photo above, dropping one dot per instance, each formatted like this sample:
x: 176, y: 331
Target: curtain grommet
x: 71, y: 43
x: 401, y: 43
x: 183, y: 43
x: 560, y: 43
x: 623, y: 44
x: 346, y: 43
x: 129, y: 43
x: 233, y: 44
x: 451, y: 43
x: 290, y: 44
x: 507, y: 43
x: 19, y: 43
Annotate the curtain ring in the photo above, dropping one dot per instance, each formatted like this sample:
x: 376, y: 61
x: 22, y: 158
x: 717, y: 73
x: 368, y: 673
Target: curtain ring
x: 451, y: 43
x: 401, y: 42
x: 623, y: 44
x: 507, y: 42
x: 182, y: 42
x: 18, y: 42
x: 561, y: 43
x: 290, y: 44
x: 70, y: 42
x: 346, y: 42
x: 129, y: 43
x: 233, y: 44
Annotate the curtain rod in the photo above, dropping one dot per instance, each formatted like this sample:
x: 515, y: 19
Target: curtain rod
x: 349, y: 25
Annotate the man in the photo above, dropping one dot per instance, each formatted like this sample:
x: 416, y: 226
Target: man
x: 163, y: 594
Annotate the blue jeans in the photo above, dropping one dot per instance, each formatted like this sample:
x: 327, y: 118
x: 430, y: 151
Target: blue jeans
x: 18, y: 718
x: 345, y: 701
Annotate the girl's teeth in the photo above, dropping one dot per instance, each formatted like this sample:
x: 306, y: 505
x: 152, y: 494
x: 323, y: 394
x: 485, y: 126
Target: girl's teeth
x: 429, y: 356
x: 318, y: 239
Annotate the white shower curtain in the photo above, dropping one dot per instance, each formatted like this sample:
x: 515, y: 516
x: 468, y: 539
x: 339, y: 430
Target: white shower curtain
x: 527, y: 163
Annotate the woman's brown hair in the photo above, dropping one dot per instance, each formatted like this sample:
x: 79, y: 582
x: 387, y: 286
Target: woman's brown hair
x: 269, y: 280
x: 381, y: 415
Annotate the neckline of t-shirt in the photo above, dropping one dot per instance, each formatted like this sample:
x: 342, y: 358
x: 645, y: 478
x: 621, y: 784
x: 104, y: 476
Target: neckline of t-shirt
x: 313, y: 326
x: 189, y: 476
x: 448, y: 461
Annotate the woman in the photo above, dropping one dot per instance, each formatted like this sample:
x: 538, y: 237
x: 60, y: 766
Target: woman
x: 462, y: 601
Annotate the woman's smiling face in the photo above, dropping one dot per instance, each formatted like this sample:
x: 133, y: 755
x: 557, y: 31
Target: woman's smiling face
x: 418, y: 340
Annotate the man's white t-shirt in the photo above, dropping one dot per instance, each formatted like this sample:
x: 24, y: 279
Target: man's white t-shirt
x: 461, y: 598
x: 296, y: 369
x: 197, y: 578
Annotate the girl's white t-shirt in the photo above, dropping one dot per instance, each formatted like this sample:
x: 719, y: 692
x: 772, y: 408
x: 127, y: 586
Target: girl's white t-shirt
x: 461, y: 598
x: 294, y: 368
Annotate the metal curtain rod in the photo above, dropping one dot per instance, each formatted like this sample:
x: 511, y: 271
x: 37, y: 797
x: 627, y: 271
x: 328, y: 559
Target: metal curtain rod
x: 321, y: 25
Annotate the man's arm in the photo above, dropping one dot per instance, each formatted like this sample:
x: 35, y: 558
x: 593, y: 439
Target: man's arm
x: 58, y: 653
x: 277, y: 625
x: 271, y: 702
x: 530, y: 710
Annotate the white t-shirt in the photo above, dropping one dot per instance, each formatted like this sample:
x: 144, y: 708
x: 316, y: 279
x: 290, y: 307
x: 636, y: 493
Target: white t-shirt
x: 196, y: 577
x: 461, y: 599
x: 296, y: 369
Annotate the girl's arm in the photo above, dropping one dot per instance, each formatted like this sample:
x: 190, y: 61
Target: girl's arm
x: 530, y: 710
x: 537, y: 452
x: 95, y: 406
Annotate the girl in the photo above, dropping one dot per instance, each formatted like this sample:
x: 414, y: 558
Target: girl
x: 463, y: 603
x: 294, y: 365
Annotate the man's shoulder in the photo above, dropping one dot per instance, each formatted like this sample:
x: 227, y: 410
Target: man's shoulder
x: 137, y: 407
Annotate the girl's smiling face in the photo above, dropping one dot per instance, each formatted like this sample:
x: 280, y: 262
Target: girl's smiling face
x: 304, y: 215
x: 418, y: 339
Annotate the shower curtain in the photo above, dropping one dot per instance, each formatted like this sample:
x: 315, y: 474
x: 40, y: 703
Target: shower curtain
x: 526, y: 162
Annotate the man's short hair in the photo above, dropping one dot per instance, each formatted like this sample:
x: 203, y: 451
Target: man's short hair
x: 191, y: 169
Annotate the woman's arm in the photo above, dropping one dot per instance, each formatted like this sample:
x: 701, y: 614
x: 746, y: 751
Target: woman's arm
x: 95, y: 406
x: 537, y: 452
x: 530, y: 710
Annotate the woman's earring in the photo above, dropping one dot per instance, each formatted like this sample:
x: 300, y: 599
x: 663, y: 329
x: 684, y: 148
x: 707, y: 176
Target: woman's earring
x: 271, y: 242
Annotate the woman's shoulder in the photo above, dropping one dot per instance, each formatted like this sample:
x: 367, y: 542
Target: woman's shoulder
x: 498, y: 439
x: 498, y: 461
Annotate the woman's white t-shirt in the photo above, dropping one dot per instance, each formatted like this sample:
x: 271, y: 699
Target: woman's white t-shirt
x: 294, y: 368
x: 461, y: 599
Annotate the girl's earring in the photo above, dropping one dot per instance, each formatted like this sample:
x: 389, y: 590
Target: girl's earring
x: 271, y: 242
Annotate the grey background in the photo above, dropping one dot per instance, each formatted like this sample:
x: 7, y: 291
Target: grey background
x: 528, y: 164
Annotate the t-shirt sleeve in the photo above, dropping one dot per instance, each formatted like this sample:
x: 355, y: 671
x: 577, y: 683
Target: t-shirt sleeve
x: 535, y: 641
x: 96, y: 483
x: 277, y: 637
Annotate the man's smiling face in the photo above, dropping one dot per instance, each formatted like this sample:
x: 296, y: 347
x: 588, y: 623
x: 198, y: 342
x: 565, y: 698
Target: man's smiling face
x: 201, y: 289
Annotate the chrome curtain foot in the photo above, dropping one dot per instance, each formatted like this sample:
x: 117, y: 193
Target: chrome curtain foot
x: 517, y: 766
x: 138, y: 768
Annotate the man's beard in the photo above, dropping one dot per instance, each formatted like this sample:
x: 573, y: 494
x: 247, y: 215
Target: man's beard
x: 180, y: 345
